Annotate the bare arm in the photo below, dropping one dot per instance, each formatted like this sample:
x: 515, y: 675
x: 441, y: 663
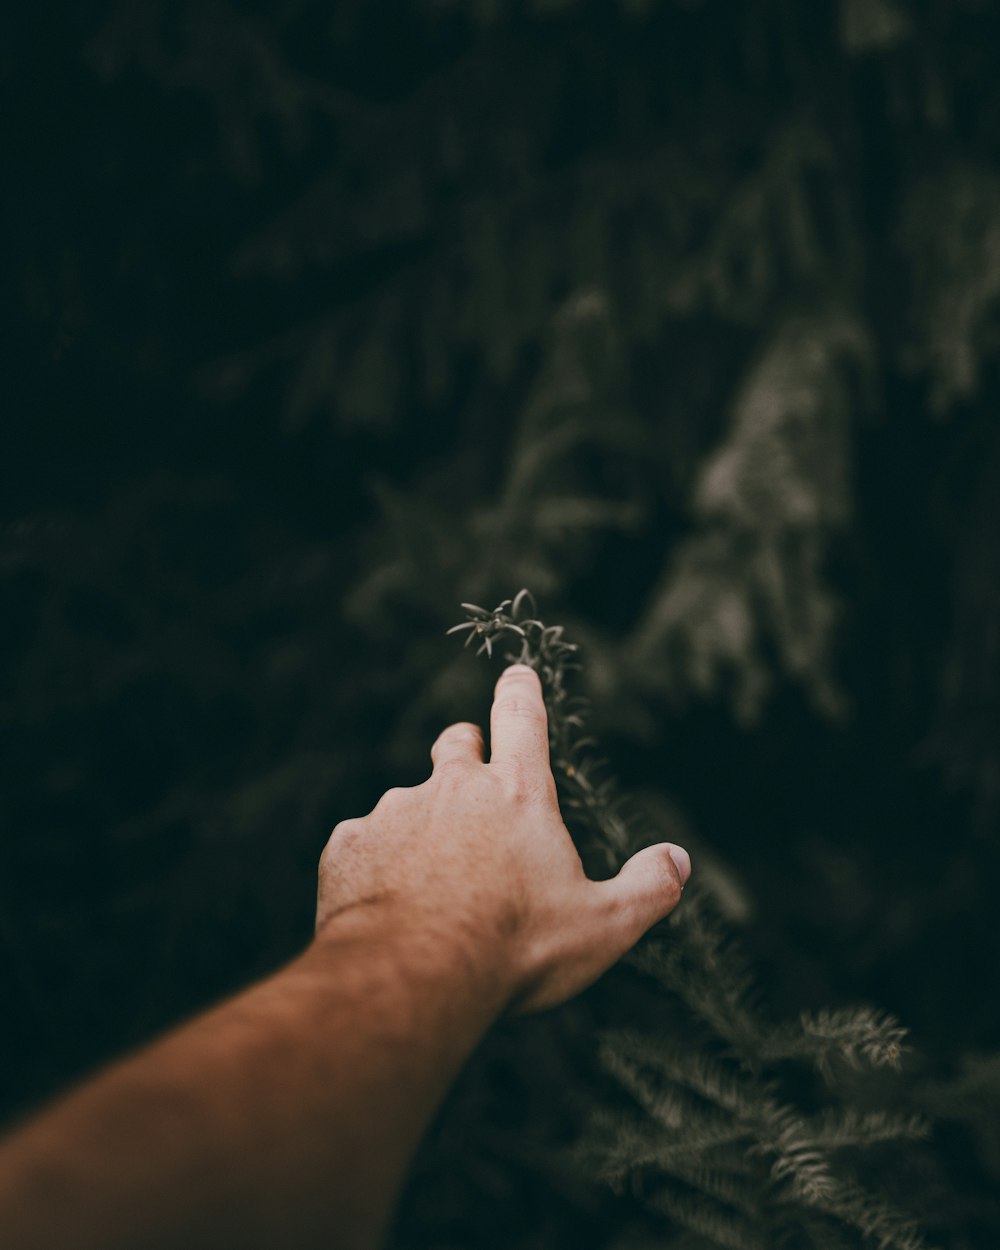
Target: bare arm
x: 287, y: 1116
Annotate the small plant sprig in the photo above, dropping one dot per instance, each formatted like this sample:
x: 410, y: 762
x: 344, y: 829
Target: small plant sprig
x: 594, y: 801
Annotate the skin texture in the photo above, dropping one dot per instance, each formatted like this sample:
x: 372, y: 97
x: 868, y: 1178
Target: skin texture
x: 287, y: 1116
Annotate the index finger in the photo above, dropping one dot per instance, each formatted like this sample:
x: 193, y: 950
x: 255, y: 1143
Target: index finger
x: 519, y: 724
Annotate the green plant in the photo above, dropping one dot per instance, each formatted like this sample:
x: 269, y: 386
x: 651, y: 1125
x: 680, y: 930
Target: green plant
x: 718, y: 1132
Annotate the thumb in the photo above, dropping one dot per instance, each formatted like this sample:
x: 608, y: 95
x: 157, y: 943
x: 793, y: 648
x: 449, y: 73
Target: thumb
x: 648, y: 887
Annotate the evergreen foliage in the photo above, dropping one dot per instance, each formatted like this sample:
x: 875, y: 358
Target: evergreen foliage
x: 711, y: 1140
x: 683, y: 315
x: 766, y: 503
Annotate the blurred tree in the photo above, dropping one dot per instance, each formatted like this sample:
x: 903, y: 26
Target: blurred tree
x: 682, y: 314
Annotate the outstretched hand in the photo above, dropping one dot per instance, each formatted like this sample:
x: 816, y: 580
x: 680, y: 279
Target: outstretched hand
x: 288, y: 1115
x: 479, y: 852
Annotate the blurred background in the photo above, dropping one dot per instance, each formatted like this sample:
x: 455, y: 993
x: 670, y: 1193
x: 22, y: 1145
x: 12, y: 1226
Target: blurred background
x: 327, y: 318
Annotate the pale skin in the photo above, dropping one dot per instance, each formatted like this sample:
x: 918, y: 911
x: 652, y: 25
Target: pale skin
x: 287, y: 1116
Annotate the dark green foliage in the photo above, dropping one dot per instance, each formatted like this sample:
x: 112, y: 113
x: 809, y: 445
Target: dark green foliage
x: 328, y: 318
x: 710, y: 1138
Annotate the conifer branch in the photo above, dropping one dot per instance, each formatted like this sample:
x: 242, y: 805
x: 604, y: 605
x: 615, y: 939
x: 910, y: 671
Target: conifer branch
x: 719, y: 1225
x: 584, y: 792
x: 713, y: 1144
x: 860, y: 1036
x: 844, y: 1128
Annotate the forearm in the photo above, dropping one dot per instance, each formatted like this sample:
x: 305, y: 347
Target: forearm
x: 287, y: 1116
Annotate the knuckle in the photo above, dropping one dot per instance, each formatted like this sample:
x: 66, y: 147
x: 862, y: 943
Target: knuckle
x: 520, y: 788
x: 345, y: 830
x: 344, y: 833
x: 452, y: 772
x: 393, y: 798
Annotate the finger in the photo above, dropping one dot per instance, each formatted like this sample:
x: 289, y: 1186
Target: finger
x: 463, y: 741
x: 647, y: 888
x: 519, y: 733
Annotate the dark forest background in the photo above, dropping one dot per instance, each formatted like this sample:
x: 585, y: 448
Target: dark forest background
x: 327, y: 318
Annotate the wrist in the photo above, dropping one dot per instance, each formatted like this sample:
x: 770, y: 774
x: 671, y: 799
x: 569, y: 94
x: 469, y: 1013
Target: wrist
x: 431, y: 951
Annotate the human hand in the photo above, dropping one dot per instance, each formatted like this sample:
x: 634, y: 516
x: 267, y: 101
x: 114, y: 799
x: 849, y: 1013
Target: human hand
x: 479, y: 853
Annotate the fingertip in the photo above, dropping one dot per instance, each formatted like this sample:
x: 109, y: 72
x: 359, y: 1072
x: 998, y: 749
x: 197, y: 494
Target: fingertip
x: 513, y: 669
x: 518, y: 672
x: 648, y: 886
x: 682, y: 861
